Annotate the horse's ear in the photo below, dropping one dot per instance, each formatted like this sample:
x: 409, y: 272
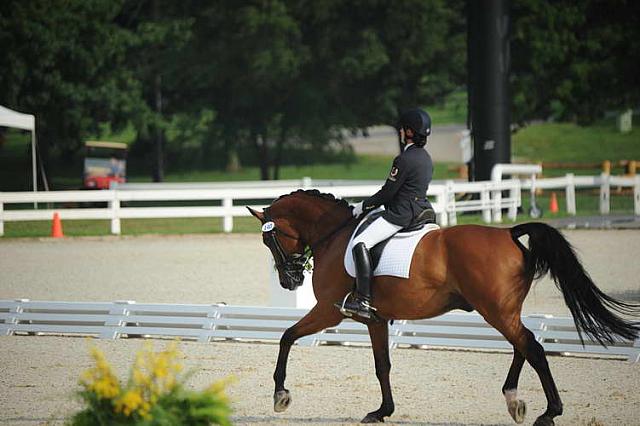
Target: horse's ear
x: 257, y: 214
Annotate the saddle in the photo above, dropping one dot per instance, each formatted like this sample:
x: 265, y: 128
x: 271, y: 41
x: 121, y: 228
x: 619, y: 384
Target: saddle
x: 425, y: 217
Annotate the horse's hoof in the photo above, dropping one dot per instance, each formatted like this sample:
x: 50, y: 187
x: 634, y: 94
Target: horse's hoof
x: 281, y: 400
x: 372, y: 418
x: 518, y: 410
x: 544, y: 421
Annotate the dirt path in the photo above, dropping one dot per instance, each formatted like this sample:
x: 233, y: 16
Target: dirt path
x: 443, y: 145
x: 330, y: 385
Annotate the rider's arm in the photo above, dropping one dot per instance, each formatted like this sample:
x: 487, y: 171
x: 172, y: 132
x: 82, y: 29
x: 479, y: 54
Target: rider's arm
x: 395, y: 180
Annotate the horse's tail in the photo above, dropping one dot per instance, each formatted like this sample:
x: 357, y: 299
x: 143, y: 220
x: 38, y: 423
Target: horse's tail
x: 594, y: 313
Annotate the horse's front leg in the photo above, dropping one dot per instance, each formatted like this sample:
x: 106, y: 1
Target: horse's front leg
x: 319, y: 318
x: 379, y: 333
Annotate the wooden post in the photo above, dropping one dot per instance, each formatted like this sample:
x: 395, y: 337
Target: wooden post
x: 539, y: 176
x: 604, y: 193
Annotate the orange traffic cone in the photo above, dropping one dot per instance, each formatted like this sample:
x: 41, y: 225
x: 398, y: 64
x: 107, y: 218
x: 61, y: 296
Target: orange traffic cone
x: 553, y: 203
x: 56, y: 227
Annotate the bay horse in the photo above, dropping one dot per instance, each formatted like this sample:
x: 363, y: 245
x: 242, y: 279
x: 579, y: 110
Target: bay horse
x: 468, y: 267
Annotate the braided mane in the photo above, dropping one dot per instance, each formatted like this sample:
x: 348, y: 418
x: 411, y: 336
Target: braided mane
x: 317, y: 194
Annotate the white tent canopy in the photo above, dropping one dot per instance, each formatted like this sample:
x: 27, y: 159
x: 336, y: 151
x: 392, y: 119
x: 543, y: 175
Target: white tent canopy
x: 18, y: 120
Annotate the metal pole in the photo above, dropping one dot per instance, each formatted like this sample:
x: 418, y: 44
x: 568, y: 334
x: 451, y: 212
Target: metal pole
x: 489, y: 99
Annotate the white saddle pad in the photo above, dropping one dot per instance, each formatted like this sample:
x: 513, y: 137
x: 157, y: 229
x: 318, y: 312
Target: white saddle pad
x: 396, y: 256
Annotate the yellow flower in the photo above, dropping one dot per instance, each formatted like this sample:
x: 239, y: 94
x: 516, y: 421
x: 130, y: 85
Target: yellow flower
x: 129, y: 402
x: 100, y: 379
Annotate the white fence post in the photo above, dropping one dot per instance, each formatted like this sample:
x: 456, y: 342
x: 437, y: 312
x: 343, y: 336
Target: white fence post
x: 227, y: 224
x: 1, y: 218
x: 605, y: 193
x: 485, y: 198
x: 516, y: 201
x: 496, y: 198
x: 114, y: 204
x: 636, y: 196
x: 452, y: 219
x: 571, y: 194
x: 442, y: 201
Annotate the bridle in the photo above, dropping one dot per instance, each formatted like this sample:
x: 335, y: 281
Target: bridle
x: 291, y: 263
x: 287, y: 262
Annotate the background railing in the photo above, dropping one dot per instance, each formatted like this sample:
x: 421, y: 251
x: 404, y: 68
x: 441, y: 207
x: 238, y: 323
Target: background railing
x: 228, y: 199
x: 207, y: 323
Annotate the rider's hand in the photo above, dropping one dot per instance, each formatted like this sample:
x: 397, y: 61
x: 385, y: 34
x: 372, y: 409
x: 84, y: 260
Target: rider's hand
x: 357, y: 209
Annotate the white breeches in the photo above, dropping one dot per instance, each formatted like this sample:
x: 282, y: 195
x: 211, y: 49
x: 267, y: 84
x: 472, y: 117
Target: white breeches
x: 378, y: 231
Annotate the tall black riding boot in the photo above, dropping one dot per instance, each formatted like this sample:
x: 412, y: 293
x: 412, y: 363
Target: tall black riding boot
x: 360, y: 303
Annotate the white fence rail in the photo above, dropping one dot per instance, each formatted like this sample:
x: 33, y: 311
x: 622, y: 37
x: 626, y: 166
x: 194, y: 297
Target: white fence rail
x: 227, y: 199
x: 604, y: 182
x: 207, y: 323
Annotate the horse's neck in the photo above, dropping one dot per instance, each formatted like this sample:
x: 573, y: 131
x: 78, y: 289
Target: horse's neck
x: 317, y: 222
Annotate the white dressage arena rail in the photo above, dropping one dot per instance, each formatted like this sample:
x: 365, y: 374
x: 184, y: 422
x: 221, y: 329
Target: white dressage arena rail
x: 208, y: 323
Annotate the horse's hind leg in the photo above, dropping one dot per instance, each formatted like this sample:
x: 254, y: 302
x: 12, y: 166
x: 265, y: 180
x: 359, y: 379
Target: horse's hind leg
x: 379, y: 333
x: 524, y: 342
x: 517, y: 408
x: 316, y: 320
x: 534, y: 353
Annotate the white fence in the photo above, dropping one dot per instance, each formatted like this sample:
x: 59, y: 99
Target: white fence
x: 228, y: 199
x: 207, y: 323
x: 604, y: 182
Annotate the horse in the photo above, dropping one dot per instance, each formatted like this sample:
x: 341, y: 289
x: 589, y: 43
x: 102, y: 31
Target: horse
x: 470, y: 267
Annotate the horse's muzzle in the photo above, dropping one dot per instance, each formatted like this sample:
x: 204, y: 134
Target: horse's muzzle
x: 291, y: 279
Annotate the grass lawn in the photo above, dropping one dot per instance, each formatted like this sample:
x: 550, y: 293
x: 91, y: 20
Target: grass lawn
x: 566, y: 142
x: 452, y: 111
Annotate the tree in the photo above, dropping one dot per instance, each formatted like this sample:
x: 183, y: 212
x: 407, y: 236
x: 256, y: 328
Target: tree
x: 163, y: 27
x: 574, y: 60
x: 374, y: 59
x: 62, y: 62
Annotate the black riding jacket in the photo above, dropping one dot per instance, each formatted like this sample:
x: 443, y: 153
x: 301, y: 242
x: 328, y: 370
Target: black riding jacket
x: 404, y: 194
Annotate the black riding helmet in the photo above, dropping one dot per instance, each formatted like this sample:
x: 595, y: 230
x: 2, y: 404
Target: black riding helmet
x: 418, y: 121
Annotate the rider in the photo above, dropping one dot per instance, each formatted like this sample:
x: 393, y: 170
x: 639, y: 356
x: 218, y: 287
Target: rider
x: 404, y: 197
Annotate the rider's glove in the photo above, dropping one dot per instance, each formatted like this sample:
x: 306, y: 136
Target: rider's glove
x: 357, y: 209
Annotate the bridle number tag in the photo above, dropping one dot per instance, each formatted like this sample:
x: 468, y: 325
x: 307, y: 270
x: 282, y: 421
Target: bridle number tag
x: 268, y: 227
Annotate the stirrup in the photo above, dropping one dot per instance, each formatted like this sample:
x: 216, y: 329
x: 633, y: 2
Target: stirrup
x: 363, y: 303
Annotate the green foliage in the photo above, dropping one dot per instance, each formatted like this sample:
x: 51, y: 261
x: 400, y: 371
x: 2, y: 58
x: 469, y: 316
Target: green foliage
x: 274, y: 82
x: 65, y: 62
x: 574, y: 60
x: 451, y: 110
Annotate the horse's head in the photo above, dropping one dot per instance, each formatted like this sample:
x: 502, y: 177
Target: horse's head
x: 290, y: 227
